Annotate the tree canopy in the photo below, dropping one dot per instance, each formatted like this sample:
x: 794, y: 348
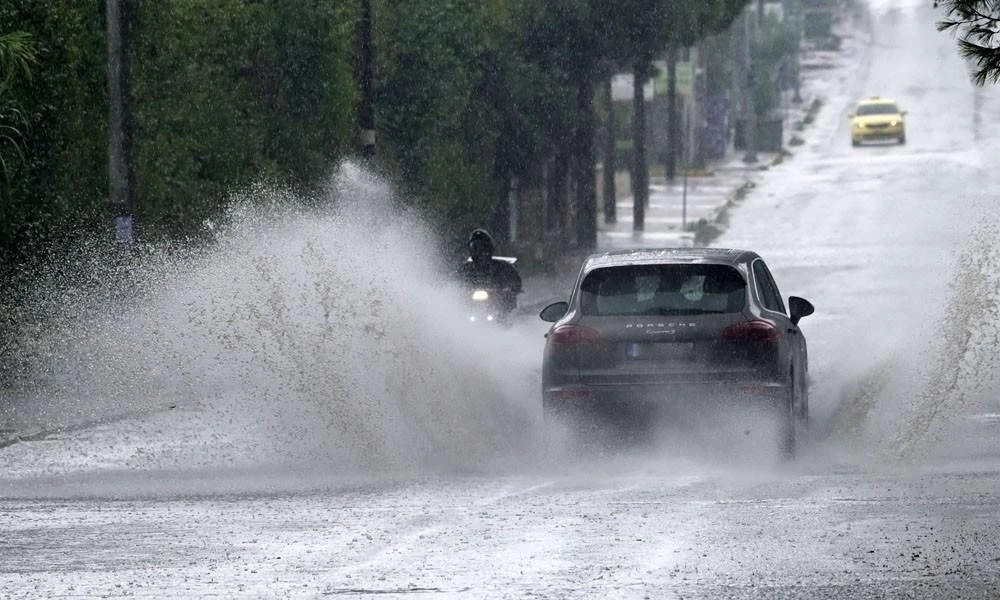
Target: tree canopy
x: 469, y: 95
x: 976, y: 23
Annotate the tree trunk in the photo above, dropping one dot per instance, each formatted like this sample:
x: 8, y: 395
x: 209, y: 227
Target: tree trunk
x: 555, y: 192
x: 673, y: 128
x: 610, y: 164
x: 640, y: 172
x: 583, y: 167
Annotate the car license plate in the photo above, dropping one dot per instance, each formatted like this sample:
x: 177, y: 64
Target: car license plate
x: 659, y: 350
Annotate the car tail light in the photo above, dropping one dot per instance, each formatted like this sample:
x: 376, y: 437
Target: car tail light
x: 569, y: 394
x: 758, y: 391
x: 751, y: 331
x: 573, y: 334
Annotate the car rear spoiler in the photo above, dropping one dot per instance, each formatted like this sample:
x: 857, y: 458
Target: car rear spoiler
x: 506, y: 259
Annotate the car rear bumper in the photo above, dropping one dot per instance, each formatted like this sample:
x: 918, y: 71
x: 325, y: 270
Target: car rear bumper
x: 612, y: 400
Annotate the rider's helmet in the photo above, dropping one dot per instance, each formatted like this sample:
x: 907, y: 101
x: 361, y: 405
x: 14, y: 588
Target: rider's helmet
x: 480, y: 245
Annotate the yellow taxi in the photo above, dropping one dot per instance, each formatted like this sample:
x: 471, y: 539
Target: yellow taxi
x: 877, y: 119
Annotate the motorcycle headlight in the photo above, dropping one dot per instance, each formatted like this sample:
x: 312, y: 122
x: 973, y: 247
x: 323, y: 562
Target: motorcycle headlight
x: 480, y: 295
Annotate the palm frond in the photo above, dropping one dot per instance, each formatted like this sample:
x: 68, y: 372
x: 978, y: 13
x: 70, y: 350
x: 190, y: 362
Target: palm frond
x: 18, y: 55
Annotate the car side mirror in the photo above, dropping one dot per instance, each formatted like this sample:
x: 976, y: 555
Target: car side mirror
x: 554, y: 312
x: 851, y: 115
x: 799, y: 307
x: 903, y: 113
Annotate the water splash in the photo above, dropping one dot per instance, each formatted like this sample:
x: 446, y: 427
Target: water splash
x: 324, y: 334
x: 962, y: 377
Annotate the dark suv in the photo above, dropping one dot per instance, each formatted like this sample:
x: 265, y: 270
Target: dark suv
x: 651, y: 328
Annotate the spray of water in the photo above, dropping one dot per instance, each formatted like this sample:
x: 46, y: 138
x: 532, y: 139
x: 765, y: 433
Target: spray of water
x: 962, y: 378
x: 921, y: 388
x: 325, y: 335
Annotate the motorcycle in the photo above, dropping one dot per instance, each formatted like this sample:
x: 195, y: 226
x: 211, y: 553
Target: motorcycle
x: 489, y: 306
x: 486, y: 308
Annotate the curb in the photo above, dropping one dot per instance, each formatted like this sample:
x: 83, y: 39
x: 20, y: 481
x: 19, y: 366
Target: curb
x: 10, y: 437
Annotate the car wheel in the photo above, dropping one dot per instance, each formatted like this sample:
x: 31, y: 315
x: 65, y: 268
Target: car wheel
x: 902, y: 139
x: 855, y: 143
x: 788, y: 415
x: 553, y: 433
x: 565, y: 434
x: 803, y: 399
x: 551, y: 442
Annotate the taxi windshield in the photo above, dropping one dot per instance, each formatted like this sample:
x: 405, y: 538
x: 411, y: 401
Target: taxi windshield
x: 881, y: 108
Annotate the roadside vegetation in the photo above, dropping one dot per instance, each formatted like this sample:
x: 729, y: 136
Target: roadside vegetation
x: 469, y: 97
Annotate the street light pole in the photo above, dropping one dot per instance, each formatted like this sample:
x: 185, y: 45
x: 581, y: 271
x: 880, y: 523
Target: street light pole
x: 366, y: 110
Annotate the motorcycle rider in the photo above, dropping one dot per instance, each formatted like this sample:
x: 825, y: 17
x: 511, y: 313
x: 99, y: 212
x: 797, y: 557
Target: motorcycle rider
x: 482, y: 271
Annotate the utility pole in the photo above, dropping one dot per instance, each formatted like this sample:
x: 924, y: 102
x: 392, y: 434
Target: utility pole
x: 365, y: 70
x: 120, y: 173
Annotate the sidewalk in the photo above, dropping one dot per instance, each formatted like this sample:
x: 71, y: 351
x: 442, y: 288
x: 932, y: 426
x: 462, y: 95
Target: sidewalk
x: 678, y: 215
x: 682, y: 213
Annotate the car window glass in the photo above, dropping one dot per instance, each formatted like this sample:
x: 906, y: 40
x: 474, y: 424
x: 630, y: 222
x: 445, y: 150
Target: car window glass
x: 770, y: 297
x: 662, y: 290
x: 884, y: 108
x: 647, y: 286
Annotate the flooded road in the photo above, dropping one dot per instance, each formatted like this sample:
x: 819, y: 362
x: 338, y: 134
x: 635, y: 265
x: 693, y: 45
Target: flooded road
x: 439, y: 490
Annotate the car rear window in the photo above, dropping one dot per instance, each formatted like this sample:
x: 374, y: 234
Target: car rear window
x: 662, y: 290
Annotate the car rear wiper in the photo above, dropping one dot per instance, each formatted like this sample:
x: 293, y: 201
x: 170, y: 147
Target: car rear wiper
x: 676, y: 312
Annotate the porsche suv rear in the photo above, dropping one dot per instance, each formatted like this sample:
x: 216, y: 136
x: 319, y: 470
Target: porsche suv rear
x: 648, y: 330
